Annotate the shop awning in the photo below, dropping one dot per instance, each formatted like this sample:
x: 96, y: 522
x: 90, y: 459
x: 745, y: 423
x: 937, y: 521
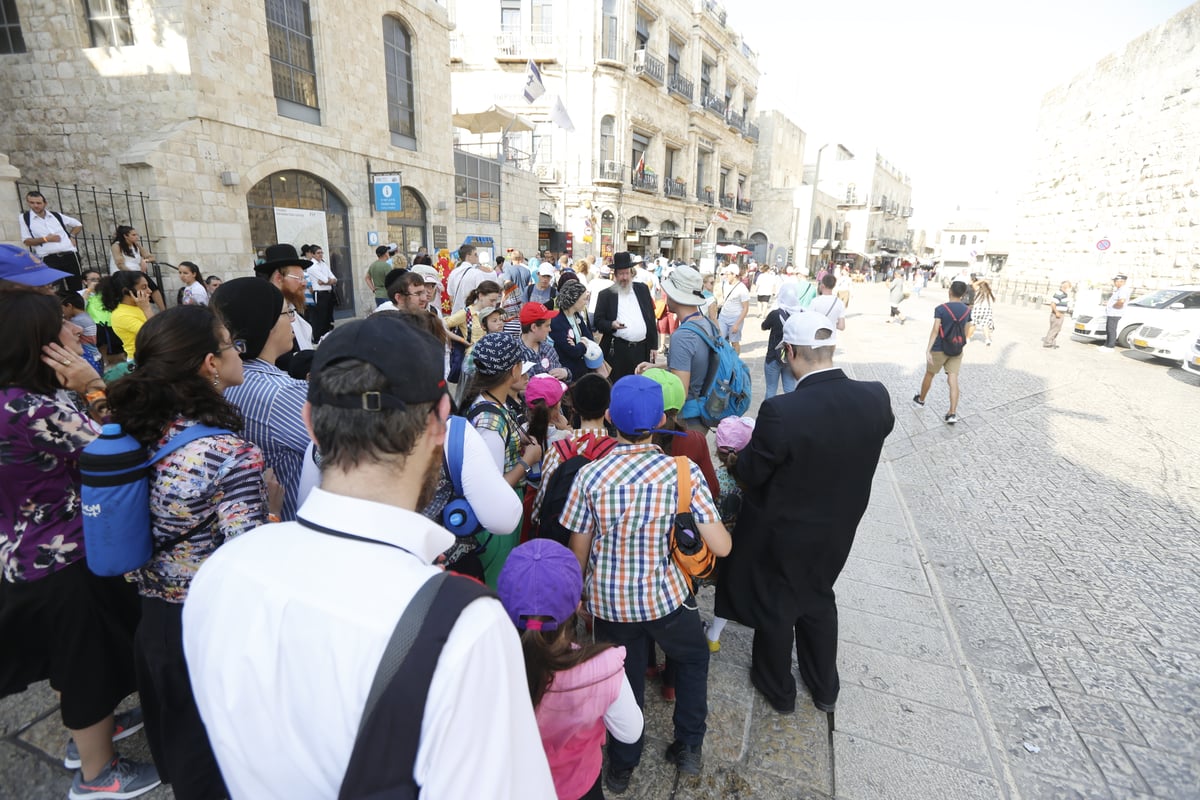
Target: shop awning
x: 820, y: 244
x: 488, y: 240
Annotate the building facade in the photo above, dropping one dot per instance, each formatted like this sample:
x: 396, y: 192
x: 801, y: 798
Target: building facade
x: 962, y: 246
x: 659, y: 94
x: 778, y: 178
x: 874, y: 199
x: 219, y: 128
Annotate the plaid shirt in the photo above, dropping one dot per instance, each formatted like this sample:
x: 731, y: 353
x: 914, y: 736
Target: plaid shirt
x: 628, y: 501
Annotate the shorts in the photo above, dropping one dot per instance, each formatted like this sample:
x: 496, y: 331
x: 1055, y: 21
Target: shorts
x: 727, y: 332
x: 76, y: 629
x: 952, y: 364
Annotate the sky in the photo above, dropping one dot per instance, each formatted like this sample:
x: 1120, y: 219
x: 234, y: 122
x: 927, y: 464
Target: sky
x: 947, y: 90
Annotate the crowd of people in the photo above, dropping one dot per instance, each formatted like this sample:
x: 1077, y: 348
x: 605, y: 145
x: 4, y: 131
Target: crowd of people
x: 531, y: 425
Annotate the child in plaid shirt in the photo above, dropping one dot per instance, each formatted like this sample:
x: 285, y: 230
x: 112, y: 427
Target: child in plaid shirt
x: 732, y: 435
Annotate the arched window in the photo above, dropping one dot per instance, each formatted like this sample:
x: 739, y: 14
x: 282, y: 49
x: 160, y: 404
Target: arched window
x: 851, y: 194
x: 407, y: 227
x: 608, y: 139
x: 829, y: 229
x: 816, y: 231
x: 962, y: 239
x: 398, y: 61
x: 607, y: 223
x: 721, y: 234
x: 972, y: 240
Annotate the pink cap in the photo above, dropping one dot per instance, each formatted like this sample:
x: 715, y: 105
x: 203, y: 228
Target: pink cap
x: 546, y: 388
x: 734, y: 432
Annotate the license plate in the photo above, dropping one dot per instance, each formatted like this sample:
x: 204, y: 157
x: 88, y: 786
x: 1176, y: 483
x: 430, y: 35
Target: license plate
x: 1079, y: 326
x: 1139, y: 342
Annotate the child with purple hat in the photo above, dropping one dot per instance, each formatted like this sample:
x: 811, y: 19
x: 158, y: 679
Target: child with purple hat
x: 578, y: 691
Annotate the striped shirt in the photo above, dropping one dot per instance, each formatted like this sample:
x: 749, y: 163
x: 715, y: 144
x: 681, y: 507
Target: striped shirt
x: 270, y: 401
x: 219, y: 477
x: 627, y: 501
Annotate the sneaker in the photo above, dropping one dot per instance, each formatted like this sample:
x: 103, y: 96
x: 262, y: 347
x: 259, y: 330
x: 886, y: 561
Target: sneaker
x: 687, y: 759
x: 951, y: 419
x: 917, y: 399
x: 714, y: 646
x: 617, y: 780
x: 119, y: 780
x: 125, y: 724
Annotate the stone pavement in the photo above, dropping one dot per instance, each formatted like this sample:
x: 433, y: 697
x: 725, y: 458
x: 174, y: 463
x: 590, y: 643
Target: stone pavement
x: 1019, y: 615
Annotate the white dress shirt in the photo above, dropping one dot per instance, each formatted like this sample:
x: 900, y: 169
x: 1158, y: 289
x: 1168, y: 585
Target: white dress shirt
x: 302, y: 330
x: 629, y: 313
x: 46, y: 225
x: 283, y: 631
x: 320, y: 271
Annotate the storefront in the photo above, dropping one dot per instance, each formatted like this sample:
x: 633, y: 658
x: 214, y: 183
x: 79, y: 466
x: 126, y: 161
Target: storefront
x: 637, y: 236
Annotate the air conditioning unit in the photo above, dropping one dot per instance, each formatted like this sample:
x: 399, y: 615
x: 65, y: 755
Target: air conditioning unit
x: 639, y: 60
x: 611, y: 167
x: 546, y: 173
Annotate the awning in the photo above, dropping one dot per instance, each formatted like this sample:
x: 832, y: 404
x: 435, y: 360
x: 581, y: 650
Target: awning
x: 494, y: 120
x: 820, y: 244
x: 479, y: 240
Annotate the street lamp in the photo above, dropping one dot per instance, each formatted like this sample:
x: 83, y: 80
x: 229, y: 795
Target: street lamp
x: 812, y: 212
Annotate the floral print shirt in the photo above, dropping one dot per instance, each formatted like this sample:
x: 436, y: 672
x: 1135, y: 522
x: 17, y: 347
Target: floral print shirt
x: 41, y: 436
x: 215, y: 484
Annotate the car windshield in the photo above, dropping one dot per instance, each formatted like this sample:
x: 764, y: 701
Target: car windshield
x: 1160, y: 299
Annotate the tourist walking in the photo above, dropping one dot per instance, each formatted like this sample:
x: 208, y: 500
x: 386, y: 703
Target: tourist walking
x: 981, y: 312
x: 1060, y: 309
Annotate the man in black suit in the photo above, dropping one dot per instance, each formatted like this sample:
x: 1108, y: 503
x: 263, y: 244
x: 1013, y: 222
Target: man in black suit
x: 625, y: 317
x: 807, y: 472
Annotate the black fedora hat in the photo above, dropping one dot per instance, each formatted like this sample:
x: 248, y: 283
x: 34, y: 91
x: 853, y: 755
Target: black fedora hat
x: 278, y: 256
x: 622, y: 260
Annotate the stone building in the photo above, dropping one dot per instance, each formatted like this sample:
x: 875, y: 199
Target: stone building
x: 778, y: 176
x: 218, y: 128
x: 962, y: 247
x: 659, y: 95
x: 874, y: 200
x: 1116, y: 163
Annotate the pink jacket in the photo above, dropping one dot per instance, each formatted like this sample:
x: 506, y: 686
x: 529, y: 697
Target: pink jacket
x: 571, y: 720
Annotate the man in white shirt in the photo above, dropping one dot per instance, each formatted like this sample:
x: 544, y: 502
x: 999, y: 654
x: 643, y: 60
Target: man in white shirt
x: 51, y: 237
x: 322, y: 280
x: 284, y: 629
x: 829, y: 304
x: 734, y: 307
x: 1115, y: 309
x: 468, y: 260
x: 764, y: 290
x: 625, y: 317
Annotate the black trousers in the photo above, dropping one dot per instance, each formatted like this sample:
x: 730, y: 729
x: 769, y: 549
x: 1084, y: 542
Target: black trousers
x: 322, y: 316
x: 626, y: 356
x: 69, y: 263
x: 815, y: 633
x: 178, y: 740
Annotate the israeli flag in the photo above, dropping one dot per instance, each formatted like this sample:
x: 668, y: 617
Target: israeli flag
x: 534, y: 88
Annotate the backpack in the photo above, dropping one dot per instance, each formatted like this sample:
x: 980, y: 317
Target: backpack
x: 115, y: 499
x: 954, y: 335
x: 727, y: 386
x: 559, y: 488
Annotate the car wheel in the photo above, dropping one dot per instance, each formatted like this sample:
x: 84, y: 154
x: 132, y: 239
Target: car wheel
x: 1123, y: 337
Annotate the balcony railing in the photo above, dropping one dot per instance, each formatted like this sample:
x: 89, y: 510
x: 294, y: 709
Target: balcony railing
x: 516, y: 44
x: 734, y: 120
x: 650, y: 66
x: 643, y: 181
x: 726, y: 201
x: 751, y: 132
x: 681, y: 85
x: 714, y: 104
x: 609, y: 171
x: 714, y: 8
x: 745, y: 206
x: 706, y: 196
x: 674, y: 188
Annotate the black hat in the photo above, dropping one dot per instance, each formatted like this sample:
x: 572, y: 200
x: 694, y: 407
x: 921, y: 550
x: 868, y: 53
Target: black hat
x: 249, y: 307
x: 622, y: 260
x: 410, y: 359
x: 278, y: 256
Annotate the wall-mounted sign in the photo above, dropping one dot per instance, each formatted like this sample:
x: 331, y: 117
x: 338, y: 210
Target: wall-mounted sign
x: 387, y: 192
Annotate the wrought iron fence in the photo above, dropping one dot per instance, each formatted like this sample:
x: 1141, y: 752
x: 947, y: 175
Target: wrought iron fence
x: 646, y: 181
x: 674, y: 188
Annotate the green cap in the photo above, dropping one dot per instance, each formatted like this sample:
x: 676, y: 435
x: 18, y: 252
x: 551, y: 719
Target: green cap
x: 672, y: 387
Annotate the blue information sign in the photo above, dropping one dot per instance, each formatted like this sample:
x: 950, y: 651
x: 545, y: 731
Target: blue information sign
x: 387, y: 192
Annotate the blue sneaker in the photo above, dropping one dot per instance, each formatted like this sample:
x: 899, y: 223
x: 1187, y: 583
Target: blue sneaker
x: 120, y: 780
x: 127, y: 723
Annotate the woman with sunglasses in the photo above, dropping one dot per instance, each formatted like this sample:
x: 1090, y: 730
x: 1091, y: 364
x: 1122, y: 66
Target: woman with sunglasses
x: 202, y: 494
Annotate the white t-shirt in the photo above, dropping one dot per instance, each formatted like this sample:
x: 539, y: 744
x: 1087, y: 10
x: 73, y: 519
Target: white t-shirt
x: 195, y: 295
x: 765, y: 286
x: 828, y: 305
x: 1118, y: 294
x: 736, y: 297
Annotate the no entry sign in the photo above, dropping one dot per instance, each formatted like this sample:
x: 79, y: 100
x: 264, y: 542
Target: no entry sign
x: 1103, y: 245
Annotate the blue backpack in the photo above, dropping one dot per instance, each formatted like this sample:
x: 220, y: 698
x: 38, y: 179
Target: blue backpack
x: 115, y: 498
x: 727, y: 386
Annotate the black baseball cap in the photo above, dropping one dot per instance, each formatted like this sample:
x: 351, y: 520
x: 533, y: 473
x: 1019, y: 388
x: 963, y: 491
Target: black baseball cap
x: 410, y: 359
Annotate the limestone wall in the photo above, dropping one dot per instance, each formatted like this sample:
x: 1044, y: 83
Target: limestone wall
x: 1118, y: 157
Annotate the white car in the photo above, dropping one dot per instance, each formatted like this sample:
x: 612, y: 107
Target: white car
x: 1192, y: 362
x: 1171, y: 340
x: 1151, y: 309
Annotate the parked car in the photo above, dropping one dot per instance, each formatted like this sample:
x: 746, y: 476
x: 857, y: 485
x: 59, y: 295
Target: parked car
x: 1171, y: 340
x: 1151, y: 309
x: 1192, y: 362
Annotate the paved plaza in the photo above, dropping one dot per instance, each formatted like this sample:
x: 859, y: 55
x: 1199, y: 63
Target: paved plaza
x: 1020, y: 616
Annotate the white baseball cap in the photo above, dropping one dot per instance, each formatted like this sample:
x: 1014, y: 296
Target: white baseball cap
x: 546, y: 269
x: 801, y: 329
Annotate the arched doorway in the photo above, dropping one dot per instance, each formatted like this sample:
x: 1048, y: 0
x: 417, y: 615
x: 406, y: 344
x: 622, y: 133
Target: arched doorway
x: 758, y: 245
x: 408, y: 226
x: 635, y: 241
x: 299, y: 208
x: 667, y: 237
x: 607, y: 224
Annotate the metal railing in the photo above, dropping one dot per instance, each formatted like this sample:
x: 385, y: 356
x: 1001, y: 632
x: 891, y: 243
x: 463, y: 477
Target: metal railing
x: 714, y: 104
x: 745, y: 206
x: 643, y: 181
x: 726, y: 201
x: 650, y: 66
x: 674, y: 188
x: 609, y: 170
x: 706, y: 196
x: 680, y: 84
x: 496, y: 151
x: 516, y: 43
x: 751, y: 132
x: 734, y: 120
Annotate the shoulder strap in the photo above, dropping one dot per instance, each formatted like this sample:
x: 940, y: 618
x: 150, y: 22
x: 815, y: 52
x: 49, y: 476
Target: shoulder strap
x: 683, y: 472
x: 601, y: 446
x: 25, y: 215
x: 185, y: 436
x: 454, y: 452
x: 566, y: 449
x: 708, y: 340
x: 389, y: 732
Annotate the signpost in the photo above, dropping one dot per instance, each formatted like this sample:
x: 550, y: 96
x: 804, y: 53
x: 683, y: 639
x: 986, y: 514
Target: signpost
x: 387, y: 192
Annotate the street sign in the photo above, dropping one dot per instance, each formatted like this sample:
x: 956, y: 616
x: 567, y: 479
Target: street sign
x: 387, y: 192
x: 1103, y: 244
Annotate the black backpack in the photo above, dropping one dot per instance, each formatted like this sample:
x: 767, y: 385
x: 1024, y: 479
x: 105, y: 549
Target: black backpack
x: 559, y: 488
x: 954, y: 335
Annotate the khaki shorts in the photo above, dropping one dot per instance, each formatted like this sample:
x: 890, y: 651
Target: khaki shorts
x: 952, y: 364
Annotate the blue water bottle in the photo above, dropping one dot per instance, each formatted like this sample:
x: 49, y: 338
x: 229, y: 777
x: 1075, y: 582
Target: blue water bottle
x: 115, y: 501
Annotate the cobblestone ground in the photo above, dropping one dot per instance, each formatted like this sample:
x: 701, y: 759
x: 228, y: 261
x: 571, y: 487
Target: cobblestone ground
x: 1019, y: 615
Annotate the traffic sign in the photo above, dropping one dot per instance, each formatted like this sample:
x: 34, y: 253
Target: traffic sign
x: 387, y: 192
x: 1103, y: 244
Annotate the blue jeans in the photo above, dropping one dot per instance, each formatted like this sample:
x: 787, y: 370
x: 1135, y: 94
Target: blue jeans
x: 681, y: 636
x: 774, y: 370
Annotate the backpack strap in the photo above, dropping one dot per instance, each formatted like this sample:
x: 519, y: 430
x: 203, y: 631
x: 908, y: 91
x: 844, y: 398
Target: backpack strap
x: 566, y: 449
x: 683, y: 473
x: 185, y: 436
x: 454, y: 452
x: 710, y: 374
x: 389, y: 732
x: 600, y: 447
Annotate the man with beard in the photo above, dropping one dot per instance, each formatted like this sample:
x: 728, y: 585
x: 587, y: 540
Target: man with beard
x: 625, y: 316
x: 283, y: 267
x: 294, y: 624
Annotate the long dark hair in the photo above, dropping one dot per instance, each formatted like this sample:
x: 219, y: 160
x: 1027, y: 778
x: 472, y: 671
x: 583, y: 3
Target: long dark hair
x: 119, y: 238
x: 114, y: 288
x: 539, y: 422
x: 550, y: 652
x: 484, y: 287
x: 29, y: 320
x: 166, y: 382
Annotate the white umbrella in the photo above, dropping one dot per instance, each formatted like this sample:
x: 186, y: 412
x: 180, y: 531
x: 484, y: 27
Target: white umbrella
x: 494, y: 120
x: 732, y: 250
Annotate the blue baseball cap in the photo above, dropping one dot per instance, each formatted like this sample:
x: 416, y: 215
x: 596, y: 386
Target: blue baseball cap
x: 21, y: 266
x: 636, y: 405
